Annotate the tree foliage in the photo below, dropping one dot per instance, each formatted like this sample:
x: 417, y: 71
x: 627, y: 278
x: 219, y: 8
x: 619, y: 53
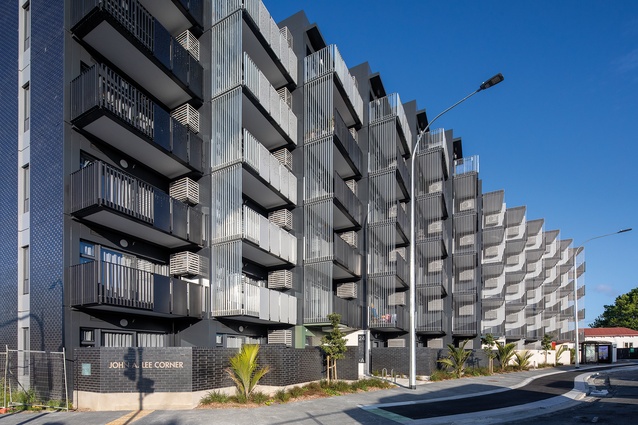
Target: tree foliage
x: 623, y: 313
x: 546, y: 344
x: 488, y: 341
x: 333, y: 346
x: 456, y: 358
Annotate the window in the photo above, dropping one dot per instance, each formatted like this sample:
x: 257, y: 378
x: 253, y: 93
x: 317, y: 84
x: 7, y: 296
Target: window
x: 87, y: 337
x: 25, y: 270
x: 26, y: 190
x: 117, y: 339
x: 27, y: 105
x: 27, y: 26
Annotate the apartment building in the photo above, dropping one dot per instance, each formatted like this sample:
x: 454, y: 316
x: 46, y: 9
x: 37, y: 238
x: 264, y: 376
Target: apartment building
x: 190, y: 173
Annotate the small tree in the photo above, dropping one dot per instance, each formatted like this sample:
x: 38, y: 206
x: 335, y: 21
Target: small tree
x: 521, y: 359
x: 546, y: 345
x: 504, y: 354
x: 488, y: 341
x: 456, y: 358
x: 334, y: 346
x: 243, y: 370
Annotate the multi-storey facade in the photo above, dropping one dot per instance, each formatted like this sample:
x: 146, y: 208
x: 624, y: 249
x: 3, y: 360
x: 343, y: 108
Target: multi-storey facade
x: 191, y: 173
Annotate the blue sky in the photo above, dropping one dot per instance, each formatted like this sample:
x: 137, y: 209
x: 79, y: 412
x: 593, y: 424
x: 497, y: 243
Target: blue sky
x: 559, y: 135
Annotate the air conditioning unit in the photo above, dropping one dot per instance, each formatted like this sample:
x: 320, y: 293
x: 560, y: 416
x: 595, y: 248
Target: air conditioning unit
x: 491, y: 220
x: 491, y: 251
x: 396, y: 343
x: 401, y: 252
x: 350, y: 238
x: 280, y: 279
x: 353, y: 186
x: 435, y: 187
x: 435, y: 266
x: 284, y: 156
x: 185, y: 264
x: 392, y: 211
x: 490, y: 314
x: 188, y: 116
x: 466, y: 240
x: 185, y: 190
x: 280, y: 336
x: 398, y: 298
x: 190, y: 43
x: 286, y: 96
x: 347, y: 290
x: 467, y: 205
x: 282, y: 218
x: 287, y: 35
x: 491, y: 283
x: 435, y: 227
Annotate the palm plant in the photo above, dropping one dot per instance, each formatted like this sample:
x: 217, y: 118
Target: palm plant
x: 504, y: 354
x: 521, y: 359
x: 559, y: 352
x: 243, y: 370
x: 456, y: 358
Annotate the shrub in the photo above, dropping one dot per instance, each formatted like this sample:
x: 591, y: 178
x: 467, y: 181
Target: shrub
x: 521, y: 359
x: 243, y: 371
x: 282, y: 396
x: 214, y: 397
x: 259, y: 397
x: 296, y: 391
x: 440, y: 375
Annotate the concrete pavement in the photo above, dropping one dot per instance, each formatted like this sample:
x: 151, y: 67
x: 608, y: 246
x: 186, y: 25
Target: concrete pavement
x: 397, y: 405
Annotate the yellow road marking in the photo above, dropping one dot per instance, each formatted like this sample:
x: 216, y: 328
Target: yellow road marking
x: 130, y: 417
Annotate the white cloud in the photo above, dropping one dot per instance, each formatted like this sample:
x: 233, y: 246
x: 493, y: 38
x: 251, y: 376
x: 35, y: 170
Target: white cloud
x: 605, y: 289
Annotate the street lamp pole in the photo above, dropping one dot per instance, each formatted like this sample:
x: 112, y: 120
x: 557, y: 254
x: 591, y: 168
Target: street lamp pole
x: 486, y: 85
x: 576, y: 337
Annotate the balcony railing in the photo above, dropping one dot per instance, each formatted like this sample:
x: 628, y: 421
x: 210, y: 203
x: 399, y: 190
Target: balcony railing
x: 347, y: 256
x: 350, y: 145
x: 98, y: 283
x: 351, y: 313
x: 99, y: 185
x: 134, y: 19
x: 346, y: 197
x: 395, y: 317
x: 391, y: 105
x: 402, y: 169
x: 268, y: 236
x: 278, y: 39
x: 466, y: 165
x: 398, y: 213
x: 269, y: 99
x: 100, y: 88
x: 434, y: 322
x: 435, y: 139
x: 329, y: 60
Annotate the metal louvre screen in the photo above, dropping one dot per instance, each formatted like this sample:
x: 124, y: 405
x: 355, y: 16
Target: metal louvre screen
x: 35, y: 379
x: 318, y: 297
x: 226, y: 57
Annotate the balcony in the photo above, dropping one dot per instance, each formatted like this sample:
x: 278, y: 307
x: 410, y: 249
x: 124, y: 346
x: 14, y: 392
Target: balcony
x: 348, y: 209
x: 346, y: 97
x: 264, y: 111
x: 351, y: 313
x: 128, y: 36
x: 261, y: 38
x: 389, y: 319
x: 496, y: 330
x: 177, y: 16
x: 432, y: 248
x: 104, y: 195
x: 465, y: 320
x: 264, y: 242
x: 264, y: 179
x: 242, y: 298
x: 106, y: 106
x: 347, y: 261
x: 432, y: 207
x: 349, y: 163
x: 394, y: 267
x: 433, y: 323
x: 433, y: 156
x: 516, y: 333
x: 391, y: 107
x: 113, y: 287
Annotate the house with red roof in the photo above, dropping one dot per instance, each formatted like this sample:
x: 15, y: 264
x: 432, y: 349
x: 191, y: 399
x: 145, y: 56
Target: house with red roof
x: 622, y: 337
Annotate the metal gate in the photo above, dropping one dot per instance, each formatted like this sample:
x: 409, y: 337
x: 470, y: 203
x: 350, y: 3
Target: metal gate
x: 35, y: 379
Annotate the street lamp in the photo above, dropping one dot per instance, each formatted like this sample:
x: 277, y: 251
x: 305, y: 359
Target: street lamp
x: 484, y: 86
x: 576, y: 342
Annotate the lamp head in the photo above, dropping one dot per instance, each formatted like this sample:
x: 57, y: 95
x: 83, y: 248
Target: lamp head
x: 491, y: 82
x: 625, y: 230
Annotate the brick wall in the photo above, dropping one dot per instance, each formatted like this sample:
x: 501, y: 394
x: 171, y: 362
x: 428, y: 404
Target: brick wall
x: 398, y: 359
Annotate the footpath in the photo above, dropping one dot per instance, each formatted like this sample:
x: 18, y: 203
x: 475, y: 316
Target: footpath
x: 508, y: 397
